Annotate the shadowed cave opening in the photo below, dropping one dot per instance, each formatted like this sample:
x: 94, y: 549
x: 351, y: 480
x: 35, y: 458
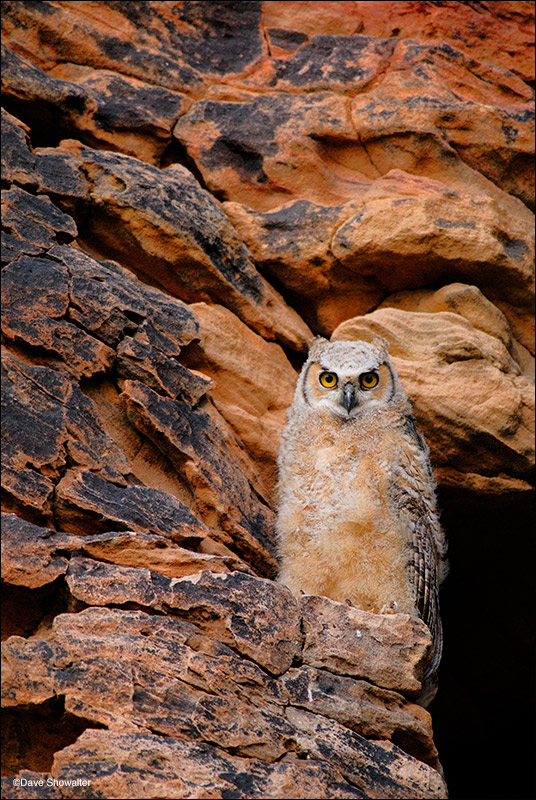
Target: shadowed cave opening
x: 32, y: 733
x: 24, y: 610
x: 484, y: 712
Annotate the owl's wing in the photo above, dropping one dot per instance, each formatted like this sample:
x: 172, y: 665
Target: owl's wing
x: 416, y: 505
x: 423, y: 577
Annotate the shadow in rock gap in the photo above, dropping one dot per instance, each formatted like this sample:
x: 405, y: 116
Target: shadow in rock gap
x: 484, y: 712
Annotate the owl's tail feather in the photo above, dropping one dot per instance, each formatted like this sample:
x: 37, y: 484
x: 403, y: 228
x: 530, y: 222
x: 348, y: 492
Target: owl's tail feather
x: 428, y: 691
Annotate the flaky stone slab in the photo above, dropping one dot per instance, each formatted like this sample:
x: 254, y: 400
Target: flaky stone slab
x: 378, y: 768
x: 155, y: 766
x: 364, y: 708
x: 254, y: 615
x: 33, y: 556
x: 88, y: 503
x: 392, y: 651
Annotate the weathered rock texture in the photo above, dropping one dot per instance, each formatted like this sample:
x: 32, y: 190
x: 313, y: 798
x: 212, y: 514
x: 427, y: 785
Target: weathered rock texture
x: 190, y: 191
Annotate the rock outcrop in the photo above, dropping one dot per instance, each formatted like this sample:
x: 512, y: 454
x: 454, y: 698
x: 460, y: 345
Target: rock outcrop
x: 190, y: 192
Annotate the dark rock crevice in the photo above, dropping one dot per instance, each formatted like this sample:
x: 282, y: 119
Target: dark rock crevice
x: 33, y: 733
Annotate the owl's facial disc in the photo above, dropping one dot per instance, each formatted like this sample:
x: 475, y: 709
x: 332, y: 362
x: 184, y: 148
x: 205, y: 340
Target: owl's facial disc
x: 347, y: 389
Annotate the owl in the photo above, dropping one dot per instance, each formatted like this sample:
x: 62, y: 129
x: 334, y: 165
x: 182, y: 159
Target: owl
x: 357, y: 519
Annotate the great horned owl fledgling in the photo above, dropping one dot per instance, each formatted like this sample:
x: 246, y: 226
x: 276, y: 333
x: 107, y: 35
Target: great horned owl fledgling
x: 357, y: 518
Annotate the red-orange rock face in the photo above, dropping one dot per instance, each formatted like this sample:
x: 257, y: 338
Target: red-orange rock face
x: 190, y: 191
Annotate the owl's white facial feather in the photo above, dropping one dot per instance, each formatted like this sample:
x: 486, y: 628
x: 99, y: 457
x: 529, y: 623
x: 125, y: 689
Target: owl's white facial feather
x: 347, y: 378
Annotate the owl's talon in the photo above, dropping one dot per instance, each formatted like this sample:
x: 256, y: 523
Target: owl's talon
x: 349, y: 602
x: 389, y: 608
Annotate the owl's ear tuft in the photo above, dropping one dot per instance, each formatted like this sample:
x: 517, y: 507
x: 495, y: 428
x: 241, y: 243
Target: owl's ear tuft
x: 317, y: 345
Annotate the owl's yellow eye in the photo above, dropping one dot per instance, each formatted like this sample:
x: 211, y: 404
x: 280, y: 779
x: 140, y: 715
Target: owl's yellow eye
x: 328, y: 379
x: 368, y: 380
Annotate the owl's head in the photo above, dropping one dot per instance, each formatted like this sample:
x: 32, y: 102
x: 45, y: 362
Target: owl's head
x: 348, y: 377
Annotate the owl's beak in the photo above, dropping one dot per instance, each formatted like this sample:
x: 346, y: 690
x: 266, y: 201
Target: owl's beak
x: 349, y: 399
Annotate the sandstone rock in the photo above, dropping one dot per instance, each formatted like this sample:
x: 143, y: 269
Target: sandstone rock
x: 364, y: 708
x: 189, y: 694
x: 177, y: 55
x: 74, y: 294
x: 379, y: 769
x: 197, y: 449
x: 173, y: 215
x: 499, y: 34
x: 253, y: 382
x: 447, y: 92
x: 401, y: 231
x: 261, y: 150
x: 133, y: 549
x: 201, y: 689
x: 48, y: 421
x: 30, y: 784
x: 174, y: 768
x: 469, y: 397
x: 469, y: 302
x: 131, y: 117
x: 345, y: 64
x: 443, y: 229
x: 321, y: 146
x: 87, y: 502
x: 392, y: 652
x: 498, y: 144
x: 149, y: 466
x: 35, y: 295
x: 18, y: 161
x: 68, y: 294
x: 224, y: 605
x: 104, y: 109
x: 58, y: 178
x: 27, y: 90
x: 31, y: 225
x: 31, y: 555
x: 139, y: 360
x: 109, y: 301
x: 292, y: 244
